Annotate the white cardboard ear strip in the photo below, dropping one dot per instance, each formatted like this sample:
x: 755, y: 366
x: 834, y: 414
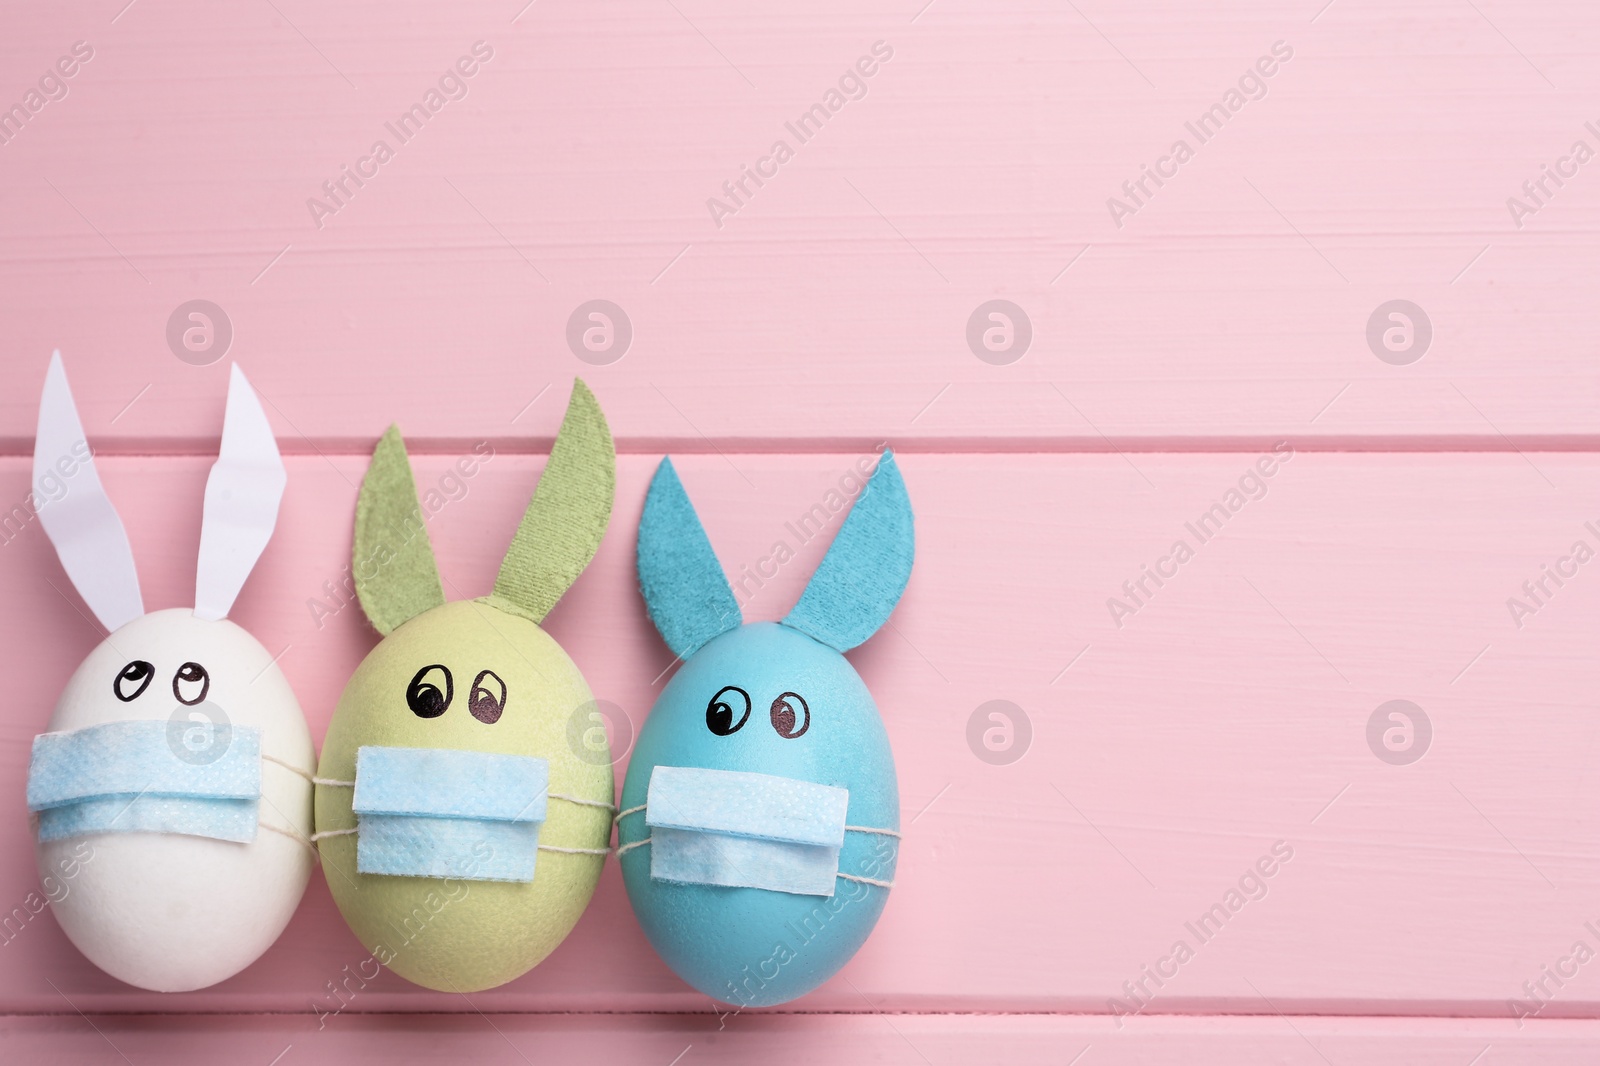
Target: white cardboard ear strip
x: 75, y: 511
x: 242, y: 496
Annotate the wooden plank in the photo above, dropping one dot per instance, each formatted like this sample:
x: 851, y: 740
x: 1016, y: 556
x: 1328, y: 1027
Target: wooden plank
x: 1232, y: 306
x: 1187, y: 732
x: 1230, y: 712
x: 913, y: 1040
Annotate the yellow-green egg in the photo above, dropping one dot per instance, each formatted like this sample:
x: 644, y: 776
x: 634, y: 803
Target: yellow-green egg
x: 458, y: 935
x: 463, y: 804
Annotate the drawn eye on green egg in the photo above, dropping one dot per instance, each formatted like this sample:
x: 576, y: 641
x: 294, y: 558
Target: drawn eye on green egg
x: 461, y: 835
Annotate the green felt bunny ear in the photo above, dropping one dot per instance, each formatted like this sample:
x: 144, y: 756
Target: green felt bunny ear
x: 567, y: 516
x: 395, y: 575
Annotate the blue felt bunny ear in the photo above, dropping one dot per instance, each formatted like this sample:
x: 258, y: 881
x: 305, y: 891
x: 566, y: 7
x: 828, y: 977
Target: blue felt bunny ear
x: 684, y: 588
x: 866, y: 569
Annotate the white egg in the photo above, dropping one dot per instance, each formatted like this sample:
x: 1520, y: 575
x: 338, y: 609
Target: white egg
x: 163, y: 911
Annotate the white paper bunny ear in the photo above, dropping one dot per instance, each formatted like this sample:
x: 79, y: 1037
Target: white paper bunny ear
x: 75, y: 511
x: 242, y: 496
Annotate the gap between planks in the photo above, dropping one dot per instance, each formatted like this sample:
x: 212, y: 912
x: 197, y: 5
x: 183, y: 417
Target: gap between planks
x: 1148, y: 1016
x: 346, y: 447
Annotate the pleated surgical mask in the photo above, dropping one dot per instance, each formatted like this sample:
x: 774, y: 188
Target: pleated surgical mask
x: 744, y: 830
x: 431, y: 812
x: 147, y: 776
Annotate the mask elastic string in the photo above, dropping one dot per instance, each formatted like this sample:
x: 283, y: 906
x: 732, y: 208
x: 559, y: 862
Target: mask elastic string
x: 879, y: 832
x: 291, y: 834
x: 625, y: 848
x: 297, y: 837
x: 583, y: 802
x: 575, y: 851
x: 331, y: 782
x: 334, y: 783
x: 332, y: 833
x: 542, y: 847
x: 848, y: 828
x: 308, y: 776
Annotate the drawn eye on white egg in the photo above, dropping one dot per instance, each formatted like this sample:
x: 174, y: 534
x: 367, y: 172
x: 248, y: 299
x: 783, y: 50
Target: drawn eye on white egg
x: 176, y: 768
x: 132, y: 680
x: 191, y: 683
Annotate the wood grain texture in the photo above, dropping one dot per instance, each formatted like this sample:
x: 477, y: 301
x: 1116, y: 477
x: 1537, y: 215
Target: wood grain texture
x: 1173, y: 742
x: 1228, y: 714
x: 895, y: 1040
x: 833, y: 305
x: 784, y: 1039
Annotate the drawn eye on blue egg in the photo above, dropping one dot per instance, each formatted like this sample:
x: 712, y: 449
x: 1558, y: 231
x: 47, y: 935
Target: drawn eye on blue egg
x: 171, y: 794
x: 760, y: 818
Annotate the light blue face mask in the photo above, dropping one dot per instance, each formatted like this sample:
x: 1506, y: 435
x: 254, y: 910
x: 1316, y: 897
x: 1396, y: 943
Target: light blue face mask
x: 431, y: 812
x: 744, y: 830
x: 148, y: 776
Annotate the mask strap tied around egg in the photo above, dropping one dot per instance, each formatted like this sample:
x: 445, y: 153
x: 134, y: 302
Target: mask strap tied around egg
x: 421, y: 812
x: 294, y: 834
x: 288, y: 831
x: 737, y: 829
x: 579, y: 801
x: 623, y: 849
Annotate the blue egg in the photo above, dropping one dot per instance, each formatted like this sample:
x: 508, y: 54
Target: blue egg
x: 753, y: 946
x: 759, y: 824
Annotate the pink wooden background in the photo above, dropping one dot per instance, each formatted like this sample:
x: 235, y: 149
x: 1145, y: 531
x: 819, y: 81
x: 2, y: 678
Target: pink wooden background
x: 1226, y: 314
